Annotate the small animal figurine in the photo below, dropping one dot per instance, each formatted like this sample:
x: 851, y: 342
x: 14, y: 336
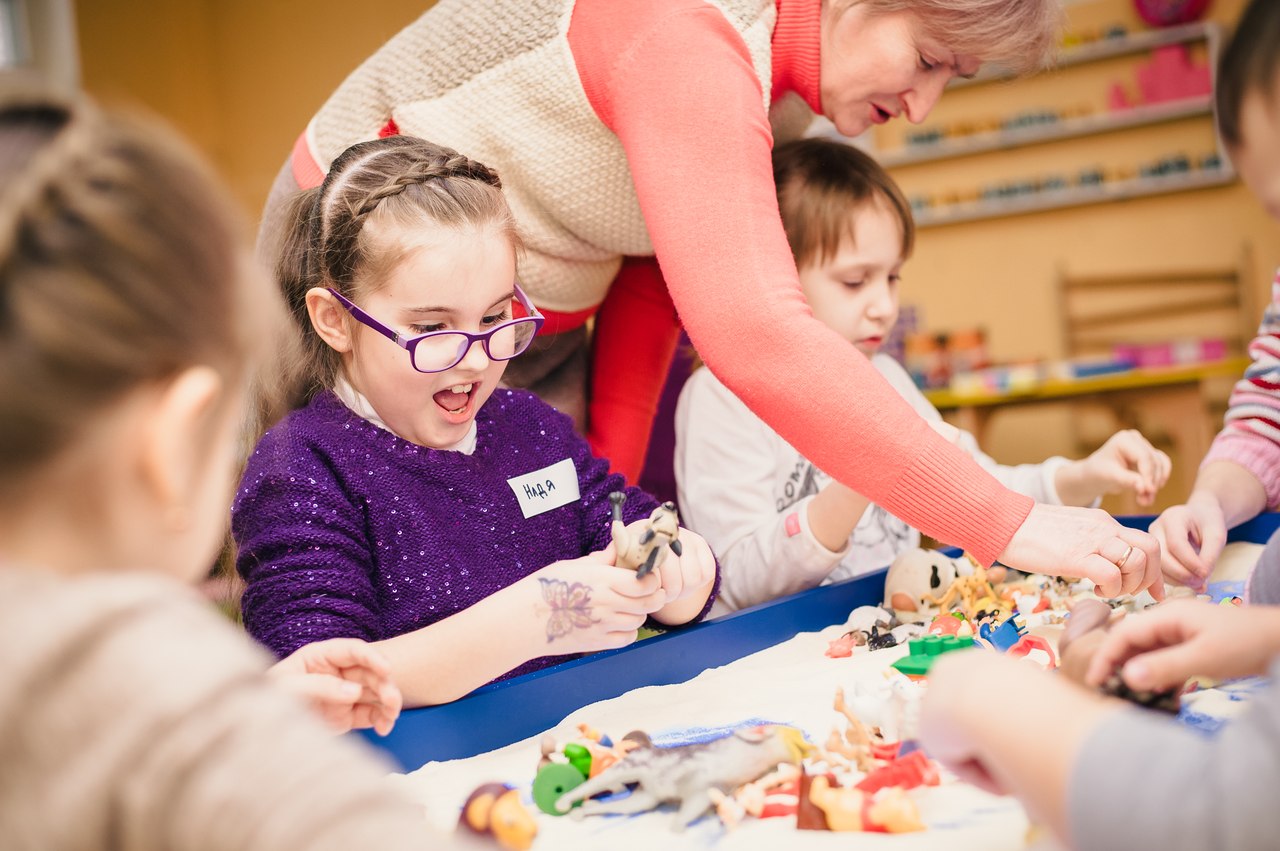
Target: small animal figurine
x: 684, y: 774
x: 642, y: 544
x: 970, y: 593
x: 494, y: 810
x: 915, y: 577
x: 878, y: 640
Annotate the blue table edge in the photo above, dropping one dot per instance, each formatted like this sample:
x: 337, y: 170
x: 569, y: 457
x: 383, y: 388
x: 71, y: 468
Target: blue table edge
x: 501, y: 713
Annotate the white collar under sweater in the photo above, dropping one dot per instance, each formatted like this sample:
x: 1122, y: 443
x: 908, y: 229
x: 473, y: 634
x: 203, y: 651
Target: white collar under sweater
x: 356, y: 401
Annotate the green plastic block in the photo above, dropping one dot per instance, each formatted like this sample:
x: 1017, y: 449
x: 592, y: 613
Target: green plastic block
x: 923, y: 650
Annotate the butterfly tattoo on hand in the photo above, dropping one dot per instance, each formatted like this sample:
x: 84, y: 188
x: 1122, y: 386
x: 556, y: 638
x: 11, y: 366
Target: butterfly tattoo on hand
x: 570, y: 607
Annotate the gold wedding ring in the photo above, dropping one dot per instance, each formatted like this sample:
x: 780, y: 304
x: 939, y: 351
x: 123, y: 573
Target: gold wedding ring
x: 1124, y: 558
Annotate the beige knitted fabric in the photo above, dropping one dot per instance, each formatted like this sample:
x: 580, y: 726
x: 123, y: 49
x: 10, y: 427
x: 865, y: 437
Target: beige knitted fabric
x: 496, y: 80
x: 133, y: 716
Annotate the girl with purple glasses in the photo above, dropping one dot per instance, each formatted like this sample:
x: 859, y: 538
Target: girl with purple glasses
x: 409, y: 499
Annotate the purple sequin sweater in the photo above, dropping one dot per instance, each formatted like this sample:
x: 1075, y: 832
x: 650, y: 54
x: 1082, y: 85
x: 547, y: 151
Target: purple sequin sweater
x: 346, y: 530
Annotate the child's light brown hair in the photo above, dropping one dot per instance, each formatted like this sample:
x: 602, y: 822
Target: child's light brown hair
x: 122, y: 263
x: 820, y: 184
x: 343, y: 233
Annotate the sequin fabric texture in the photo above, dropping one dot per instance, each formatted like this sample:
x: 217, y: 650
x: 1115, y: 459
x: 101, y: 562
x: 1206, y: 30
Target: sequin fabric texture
x: 345, y: 529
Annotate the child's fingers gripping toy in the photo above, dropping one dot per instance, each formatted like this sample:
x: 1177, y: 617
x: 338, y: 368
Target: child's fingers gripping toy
x: 642, y: 544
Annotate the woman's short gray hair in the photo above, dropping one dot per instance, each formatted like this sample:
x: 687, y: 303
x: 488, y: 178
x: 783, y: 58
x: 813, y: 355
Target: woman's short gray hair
x: 1019, y: 35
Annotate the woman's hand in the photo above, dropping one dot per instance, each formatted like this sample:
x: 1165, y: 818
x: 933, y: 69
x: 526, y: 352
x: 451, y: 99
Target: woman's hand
x: 346, y: 682
x: 1127, y: 461
x: 588, y: 604
x: 1161, y: 647
x: 1085, y: 542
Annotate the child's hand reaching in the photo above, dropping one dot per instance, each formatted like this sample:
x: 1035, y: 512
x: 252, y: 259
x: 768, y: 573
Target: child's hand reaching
x: 1025, y: 742
x: 346, y: 681
x: 1191, y: 536
x: 1162, y: 647
x: 1127, y: 461
x: 588, y: 604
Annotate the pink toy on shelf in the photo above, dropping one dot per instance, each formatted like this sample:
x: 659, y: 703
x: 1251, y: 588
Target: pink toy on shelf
x: 1170, y: 75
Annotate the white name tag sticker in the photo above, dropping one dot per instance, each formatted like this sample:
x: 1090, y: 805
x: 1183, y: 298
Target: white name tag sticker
x: 545, y: 489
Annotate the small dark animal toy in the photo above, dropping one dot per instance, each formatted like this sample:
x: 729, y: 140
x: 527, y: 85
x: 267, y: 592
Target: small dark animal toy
x: 642, y: 544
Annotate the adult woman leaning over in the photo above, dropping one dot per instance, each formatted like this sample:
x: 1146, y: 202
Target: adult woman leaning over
x: 636, y: 133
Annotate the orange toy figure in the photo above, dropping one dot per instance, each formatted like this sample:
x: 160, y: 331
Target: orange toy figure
x: 643, y: 544
x: 495, y: 810
x: 847, y: 809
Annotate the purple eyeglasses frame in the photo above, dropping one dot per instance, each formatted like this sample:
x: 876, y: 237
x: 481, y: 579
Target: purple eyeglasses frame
x: 409, y: 344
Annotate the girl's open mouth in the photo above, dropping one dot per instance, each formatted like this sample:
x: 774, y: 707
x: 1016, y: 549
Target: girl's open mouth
x: 455, y: 401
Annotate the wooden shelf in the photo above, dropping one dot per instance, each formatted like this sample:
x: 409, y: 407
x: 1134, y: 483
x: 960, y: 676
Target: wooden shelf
x: 1107, y: 48
x: 1071, y: 128
x: 1075, y: 196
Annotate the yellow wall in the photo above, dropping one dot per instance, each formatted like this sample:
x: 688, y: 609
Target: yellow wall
x: 242, y: 76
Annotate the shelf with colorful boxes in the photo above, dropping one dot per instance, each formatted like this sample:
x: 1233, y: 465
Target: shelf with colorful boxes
x: 1174, y: 173
x: 1171, y: 85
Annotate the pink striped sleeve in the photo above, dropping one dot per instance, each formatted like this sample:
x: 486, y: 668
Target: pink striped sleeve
x: 1250, y: 436
x: 675, y: 82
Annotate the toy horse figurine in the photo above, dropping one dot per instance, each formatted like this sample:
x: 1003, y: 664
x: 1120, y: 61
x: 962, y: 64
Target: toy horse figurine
x: 642, y: 544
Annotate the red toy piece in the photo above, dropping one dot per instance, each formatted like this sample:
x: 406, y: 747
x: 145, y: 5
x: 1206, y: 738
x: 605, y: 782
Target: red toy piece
x: 1035, y: 649
x: 842, y: 646
x: 914, y: 769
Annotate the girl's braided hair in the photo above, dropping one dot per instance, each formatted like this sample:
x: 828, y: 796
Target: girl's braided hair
x: 122, y: 262
x: 336, y: 237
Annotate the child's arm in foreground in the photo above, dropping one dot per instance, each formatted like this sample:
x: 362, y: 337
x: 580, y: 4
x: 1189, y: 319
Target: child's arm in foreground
x: 1164, y: 646
x: 345, y: 681
x: 1105, y: 776
x: 726, y: 461
x: 576, y: 606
